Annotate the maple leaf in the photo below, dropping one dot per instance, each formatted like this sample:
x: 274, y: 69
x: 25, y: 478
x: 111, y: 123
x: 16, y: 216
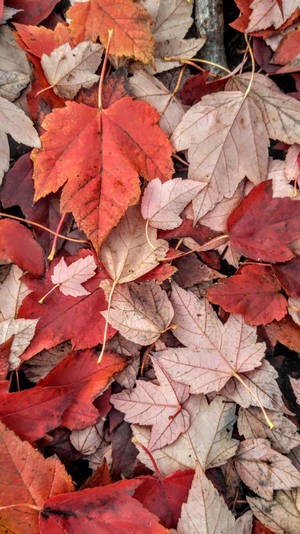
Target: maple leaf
x: 288, y: 274
x: 99, y: 509
x: 205, y: 512
x: 140, y: 312
x: 280, y: 514
x: 269, y: 469
x: 158, y: 406
x: 69, y: 278
x: 126, y: 253
x: 164, y: 496
x: 214, y: 133
x: 64, y: 317
x: 18, y: 246
x: 34, y: 412
x: 283, y: 437
x: 81, y: 372
x: 286, y: 332
x: 163, y: 203
x: 149, y: 89
x: 253, y: 292
x: 67, y: 70
x: 280, y: 112
x: 38, y: 40
x: 88, y: 440
x: 27, y: 477
x: 211, y: 447
x: 100, y: 161
x: 15, y: 123
x: 215, y: 352
x: 270, y: 13
x: 263, y: 227
x: 262, y: 382
x: 129, y: 21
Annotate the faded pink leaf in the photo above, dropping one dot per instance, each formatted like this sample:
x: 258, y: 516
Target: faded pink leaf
x: 163, y: 203
x: 70, y: 277
x: 139, y: 311
x: 280, y: 112
x: 205, y: 511
x: 89, y: 439
x: 267, y: 13
x: 262, y: 382
x: 263, y: 469
x: 219, y: 133
x: 215, y: 352
x: 159, y: 406
x: 210, y: 447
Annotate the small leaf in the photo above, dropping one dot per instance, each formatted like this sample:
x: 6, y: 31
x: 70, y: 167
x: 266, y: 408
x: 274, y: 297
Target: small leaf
x: 69, y: 278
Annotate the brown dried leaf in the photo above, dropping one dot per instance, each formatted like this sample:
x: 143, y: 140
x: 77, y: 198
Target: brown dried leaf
x: 282, y: 514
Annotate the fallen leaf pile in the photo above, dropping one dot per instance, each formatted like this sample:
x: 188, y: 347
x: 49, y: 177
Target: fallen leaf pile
x: 150, y: 271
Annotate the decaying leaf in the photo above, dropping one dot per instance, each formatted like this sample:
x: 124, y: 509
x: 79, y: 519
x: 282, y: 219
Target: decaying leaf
x: 218, y: 134
x: 140, y: 312
x: 263, y: 469
x: 126, y: 253
x: 281, y: 514
x: 156, y: 406
x: 205, y: 511
x: 163, y: 203
x: 215, y: 352
x: 67, y: 70
x: 208, y: 441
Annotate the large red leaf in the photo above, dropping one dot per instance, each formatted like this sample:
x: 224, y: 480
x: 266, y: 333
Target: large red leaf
x: 129, y: 21
x: 82, y: 372
x: 254, y: 292
x: 164, y: 496
x: 18, y: 246
x: 262, y: 227
x: 99, y: 510
x: 99, y: 158
x: 32, y: 12
x: 63, y: 318
x: 34, y: 412
x: 27, y: 478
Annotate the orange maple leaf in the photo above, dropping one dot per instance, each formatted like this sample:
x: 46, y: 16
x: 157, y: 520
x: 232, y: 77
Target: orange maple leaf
x: 99, y: 155
x: 129, y: 21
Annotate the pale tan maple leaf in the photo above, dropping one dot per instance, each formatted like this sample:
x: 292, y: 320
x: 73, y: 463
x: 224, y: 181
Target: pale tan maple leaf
x: 282, y: 514
x: 208, y: 441
x: 219, y: 133
x: 68, y: 70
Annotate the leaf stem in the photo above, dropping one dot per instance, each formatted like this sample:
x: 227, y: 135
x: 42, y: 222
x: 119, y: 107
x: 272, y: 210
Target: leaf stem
x: 156, y: 469
x: 100, y: 88
x: 107, y: 320
x: 252, y: 66
x: 48, y: 293
x: 32, y: 223
x: 147, y: 236
x: 186, y: 60
x: 27, y: 504
x: 53, y: 249
x: 239, y: 378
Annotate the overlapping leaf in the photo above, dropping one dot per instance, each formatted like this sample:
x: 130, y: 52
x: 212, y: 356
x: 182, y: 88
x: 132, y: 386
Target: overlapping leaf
x: 99, y: 160
x: 158, y: 406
